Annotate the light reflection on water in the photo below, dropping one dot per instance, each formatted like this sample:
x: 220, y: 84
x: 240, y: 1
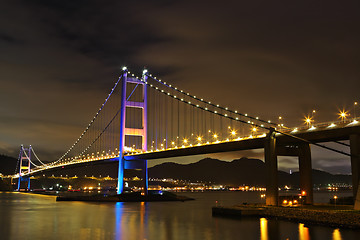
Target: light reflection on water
x: 336, y: 234
x: 118, y: 216
x: 303, y: 232
x: 25, y: 216
x: 263, y: 229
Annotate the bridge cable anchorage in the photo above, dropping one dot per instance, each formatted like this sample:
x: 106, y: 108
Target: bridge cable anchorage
x: 316, y: 144
x: 92, y: 121
x: 209, y: 103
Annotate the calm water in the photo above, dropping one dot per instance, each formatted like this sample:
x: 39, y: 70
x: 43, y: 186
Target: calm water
x: 28, y: 216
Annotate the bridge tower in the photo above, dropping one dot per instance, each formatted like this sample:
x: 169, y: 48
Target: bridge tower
x: 126, y: 130
x: 24, y: 166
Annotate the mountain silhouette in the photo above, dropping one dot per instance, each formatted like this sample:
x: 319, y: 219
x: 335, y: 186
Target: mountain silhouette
x: 243, y: 171
x: 7, y: 165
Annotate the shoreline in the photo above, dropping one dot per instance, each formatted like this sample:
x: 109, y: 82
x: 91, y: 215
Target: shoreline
x: 325, y: 215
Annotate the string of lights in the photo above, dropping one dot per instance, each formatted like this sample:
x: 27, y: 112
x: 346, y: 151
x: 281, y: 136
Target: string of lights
x: 186, y: 116
x: 32, y: 149
x: 101, y: 133
x: 208, y: 102
x: 28, y: 158
x: 205, y: 108
x: 91, y: 122
x: 18, y: 161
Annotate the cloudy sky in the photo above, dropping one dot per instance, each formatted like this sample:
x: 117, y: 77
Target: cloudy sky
x: 59, y: 59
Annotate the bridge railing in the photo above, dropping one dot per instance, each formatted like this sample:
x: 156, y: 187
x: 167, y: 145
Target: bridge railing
x: 332, y: 124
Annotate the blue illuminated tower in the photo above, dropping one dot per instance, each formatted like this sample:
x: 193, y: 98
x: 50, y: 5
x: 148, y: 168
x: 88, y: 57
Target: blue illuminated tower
x: 24, y: 166
x: 131, y: 131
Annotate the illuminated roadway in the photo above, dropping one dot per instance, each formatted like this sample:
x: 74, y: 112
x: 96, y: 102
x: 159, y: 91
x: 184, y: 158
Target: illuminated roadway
x: 321, y: 133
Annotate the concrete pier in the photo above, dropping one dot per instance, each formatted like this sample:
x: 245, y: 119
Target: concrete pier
x: 271, y: 164
x: 303, y: 152
x: 305, y: 169
x: 355, y: 161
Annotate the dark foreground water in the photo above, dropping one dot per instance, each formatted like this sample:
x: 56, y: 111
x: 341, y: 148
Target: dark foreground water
x: 29, y: 216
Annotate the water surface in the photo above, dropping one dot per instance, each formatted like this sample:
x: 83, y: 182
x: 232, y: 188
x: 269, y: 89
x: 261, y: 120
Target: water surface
x: 30, y: 216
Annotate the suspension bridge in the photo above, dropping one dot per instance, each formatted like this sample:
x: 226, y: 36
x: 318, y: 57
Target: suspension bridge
x: 145, y: 118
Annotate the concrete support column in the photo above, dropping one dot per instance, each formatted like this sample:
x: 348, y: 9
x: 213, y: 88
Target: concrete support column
x: 271, y: 165
x: 305, y: 169
x: 355, y: 161
x: 145, y: 177
x: 28, y: 185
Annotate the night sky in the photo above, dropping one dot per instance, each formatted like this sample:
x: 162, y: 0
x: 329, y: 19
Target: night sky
x: 59, y: 60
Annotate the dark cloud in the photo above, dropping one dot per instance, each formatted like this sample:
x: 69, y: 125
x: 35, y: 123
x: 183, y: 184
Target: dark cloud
x: 60, y: 59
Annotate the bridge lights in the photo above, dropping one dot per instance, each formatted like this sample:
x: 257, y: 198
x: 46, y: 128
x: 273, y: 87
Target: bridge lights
x: 308, y: 121
x: 343, y: 114
x: 254, y: 130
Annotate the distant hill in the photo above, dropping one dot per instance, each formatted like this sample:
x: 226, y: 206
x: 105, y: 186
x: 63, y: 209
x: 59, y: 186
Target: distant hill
x: 237, y: 172
x: 7, y: 165
x: 322, y: 178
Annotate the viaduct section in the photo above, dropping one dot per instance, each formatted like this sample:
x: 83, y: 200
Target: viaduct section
x: 276, y: 144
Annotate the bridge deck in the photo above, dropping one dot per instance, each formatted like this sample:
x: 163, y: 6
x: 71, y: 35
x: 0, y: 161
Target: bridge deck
x: 320, y: 134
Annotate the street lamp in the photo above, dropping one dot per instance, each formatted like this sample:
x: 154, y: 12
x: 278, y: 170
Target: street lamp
x: 312, y: 115
x: 355, y: 104
x: 280, y: 118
